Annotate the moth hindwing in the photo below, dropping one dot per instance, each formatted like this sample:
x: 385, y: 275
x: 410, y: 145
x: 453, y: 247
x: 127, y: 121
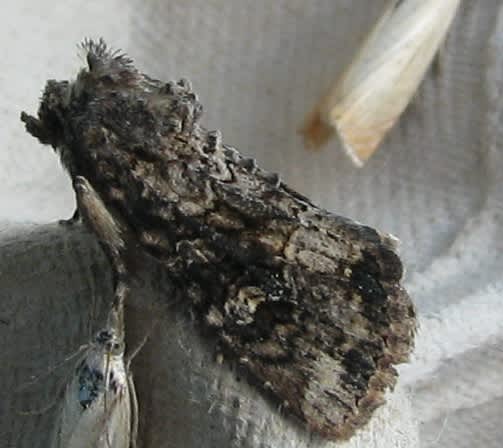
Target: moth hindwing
x: 308, y: 302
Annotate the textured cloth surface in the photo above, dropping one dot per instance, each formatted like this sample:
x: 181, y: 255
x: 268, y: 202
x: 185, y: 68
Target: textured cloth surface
x: 436, y: 182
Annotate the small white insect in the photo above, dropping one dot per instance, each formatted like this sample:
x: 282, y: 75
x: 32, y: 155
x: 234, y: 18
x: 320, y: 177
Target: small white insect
x: 381, y: 80
x: 99, y: 408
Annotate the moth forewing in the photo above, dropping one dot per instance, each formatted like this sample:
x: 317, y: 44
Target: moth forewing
x: 381, y: 80
x: 97, y: 407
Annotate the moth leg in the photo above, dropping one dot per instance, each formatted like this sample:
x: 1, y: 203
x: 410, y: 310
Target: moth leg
x: 74, y: 219
x: 60, y: 387
x: 109, y: 231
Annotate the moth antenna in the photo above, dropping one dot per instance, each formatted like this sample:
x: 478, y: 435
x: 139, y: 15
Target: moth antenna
x: 107, y: 64
x: 52, y: 369
x: 50, y: 405
x: 98, y: 53
x: 60, y: 388
x: 94, y: 51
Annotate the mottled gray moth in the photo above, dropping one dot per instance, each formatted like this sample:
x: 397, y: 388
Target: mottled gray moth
x: 309, y: 304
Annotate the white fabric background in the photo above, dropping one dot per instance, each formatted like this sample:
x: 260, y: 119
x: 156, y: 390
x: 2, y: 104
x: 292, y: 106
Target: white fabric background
x: 436, y: 182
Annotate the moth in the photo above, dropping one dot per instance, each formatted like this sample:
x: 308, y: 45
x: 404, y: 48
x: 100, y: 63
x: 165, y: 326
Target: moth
x: 309, y: 304
x: 383, y: 77
x: 99, y: 406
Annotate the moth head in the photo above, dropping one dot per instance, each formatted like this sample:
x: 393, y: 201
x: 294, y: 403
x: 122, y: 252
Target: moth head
x: 110, y: 341
x: 107, y: 70
x: 48, y: 125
